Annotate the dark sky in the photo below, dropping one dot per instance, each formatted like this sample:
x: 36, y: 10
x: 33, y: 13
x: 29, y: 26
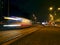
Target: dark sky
x: 26, y: 8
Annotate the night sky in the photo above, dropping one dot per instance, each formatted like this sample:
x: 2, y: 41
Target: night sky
x: 26, y: 8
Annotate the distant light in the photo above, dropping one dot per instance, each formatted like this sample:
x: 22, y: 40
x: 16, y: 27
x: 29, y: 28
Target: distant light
x: 58, y: 8
x: 51, y: 15
x: 43, y: 23
x: 51, y: 8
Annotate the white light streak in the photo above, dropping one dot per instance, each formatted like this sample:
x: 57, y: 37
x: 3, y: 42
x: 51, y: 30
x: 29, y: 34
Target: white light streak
x: 11, y: 25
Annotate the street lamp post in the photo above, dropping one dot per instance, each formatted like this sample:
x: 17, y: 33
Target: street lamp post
x: 53, y: 13
x: 51, y: 20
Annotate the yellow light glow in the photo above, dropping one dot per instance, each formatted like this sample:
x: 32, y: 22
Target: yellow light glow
x: 51, y: 8
x: 58, y: 8
x: 25, y: 20
x: 8, y: 18
x: 12, y: 18
x: 51, y: 16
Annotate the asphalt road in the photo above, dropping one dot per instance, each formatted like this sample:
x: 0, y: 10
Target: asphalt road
x: 44, y: 36
x: 7, y: 35
x: 37, y: 35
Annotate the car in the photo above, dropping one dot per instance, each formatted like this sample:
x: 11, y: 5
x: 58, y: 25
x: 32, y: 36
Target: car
x: 16, y: 22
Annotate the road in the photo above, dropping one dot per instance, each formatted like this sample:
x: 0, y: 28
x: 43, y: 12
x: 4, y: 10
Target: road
x: 7, y: 35
x: 36, y: 35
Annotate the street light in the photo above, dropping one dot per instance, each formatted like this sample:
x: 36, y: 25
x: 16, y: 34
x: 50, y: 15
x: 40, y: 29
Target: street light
x: 58, y: 8
x: 51, y: 8
x: 50, y: 13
